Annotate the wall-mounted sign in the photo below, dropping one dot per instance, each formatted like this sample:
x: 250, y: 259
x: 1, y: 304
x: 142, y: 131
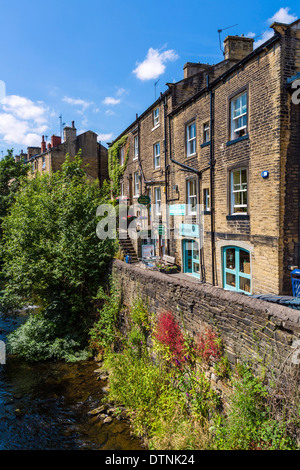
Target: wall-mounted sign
x: 145, y: 200
x: 161, y: 229
x: 147, y: 251
x: 265, y: 174
x: 177, y: 209
x: 189, y: 230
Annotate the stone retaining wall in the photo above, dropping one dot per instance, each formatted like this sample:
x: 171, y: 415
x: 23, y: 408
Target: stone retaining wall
x: 252, y: 330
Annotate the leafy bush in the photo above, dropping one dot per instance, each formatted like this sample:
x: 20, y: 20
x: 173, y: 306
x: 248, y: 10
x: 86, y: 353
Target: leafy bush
x: 103, y: 332
x: 52, y: 255
x: 39, y: 339
x: 209, y: 345
x: 167, y: 333
x: 249, y: 424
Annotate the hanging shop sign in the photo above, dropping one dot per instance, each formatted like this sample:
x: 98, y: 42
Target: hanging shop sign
x: 144, y: 200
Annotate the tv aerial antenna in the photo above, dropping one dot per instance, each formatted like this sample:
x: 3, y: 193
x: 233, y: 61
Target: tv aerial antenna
x: 220, y: 31
x: 155, y: 85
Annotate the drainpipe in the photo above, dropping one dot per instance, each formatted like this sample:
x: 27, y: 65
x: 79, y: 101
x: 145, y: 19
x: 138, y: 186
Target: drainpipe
x: 211, y: 164
x: 166, y: 175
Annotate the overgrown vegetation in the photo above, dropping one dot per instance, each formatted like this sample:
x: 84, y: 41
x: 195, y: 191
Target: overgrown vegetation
x: 53, y: 259
x: 158, y: 374
x: 115, y: 169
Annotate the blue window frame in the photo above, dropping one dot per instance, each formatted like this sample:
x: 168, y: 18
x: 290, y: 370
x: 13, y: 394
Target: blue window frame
x: 237, y: 269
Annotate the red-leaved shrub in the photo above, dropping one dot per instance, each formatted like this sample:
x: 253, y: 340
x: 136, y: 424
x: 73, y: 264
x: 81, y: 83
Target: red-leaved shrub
x: 168, y: 333
x: 209, y: 345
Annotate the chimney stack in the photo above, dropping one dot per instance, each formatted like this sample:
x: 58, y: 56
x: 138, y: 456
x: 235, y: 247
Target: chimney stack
x: 43, y: 145
x: 55, y: 141
x: 237, y: 47
x: 70, y: 133
x: 191, y: 68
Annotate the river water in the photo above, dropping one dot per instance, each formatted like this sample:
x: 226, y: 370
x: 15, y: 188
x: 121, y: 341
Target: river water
x: 44, y: 406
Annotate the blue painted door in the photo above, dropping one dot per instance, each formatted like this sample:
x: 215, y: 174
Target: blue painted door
x: 190, y: 250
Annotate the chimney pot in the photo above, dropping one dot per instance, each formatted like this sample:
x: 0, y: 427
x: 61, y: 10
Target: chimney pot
x: 43, y: 145
x: 55, y: 141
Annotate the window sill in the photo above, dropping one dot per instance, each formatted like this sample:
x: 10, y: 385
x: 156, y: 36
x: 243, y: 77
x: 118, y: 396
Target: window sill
x: 192, y: 155
x: 231, y: 142
x: 205, y: 144
x: 135, y: 159
x: 238, y: 217
x: 155, y: 127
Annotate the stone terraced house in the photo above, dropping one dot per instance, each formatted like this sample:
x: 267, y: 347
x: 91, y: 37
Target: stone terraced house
x: 226, y: 139
x: 50, y: 156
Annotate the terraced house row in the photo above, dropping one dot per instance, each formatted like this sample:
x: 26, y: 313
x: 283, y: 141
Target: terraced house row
x: 226, y: 137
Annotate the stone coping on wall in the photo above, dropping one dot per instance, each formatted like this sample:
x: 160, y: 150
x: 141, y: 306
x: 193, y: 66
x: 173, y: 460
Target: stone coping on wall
x: 288, y: 317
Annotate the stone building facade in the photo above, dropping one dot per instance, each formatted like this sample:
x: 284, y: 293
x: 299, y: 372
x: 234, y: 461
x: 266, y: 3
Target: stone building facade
x: 226, y: 140
x: 49, y: 157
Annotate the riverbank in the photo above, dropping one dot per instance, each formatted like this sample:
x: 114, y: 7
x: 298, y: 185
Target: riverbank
x: 161, y: 376
x: 46, y: 405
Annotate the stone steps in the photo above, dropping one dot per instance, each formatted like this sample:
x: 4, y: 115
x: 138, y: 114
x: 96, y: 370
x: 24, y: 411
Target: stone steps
x: 127, y: 247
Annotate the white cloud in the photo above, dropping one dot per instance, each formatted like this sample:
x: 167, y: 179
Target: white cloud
x: 264, y: 37
x: 77, y: 102
x: 2, y: 90
x: 121, y: 91
x: 154, y: 64
x: 22, y: 121
x: 109, y: 112
x: 24, y: 108
x: 110, y: 101
x: 105, y: 137
x: 282, y: 16
x: 250, y: 35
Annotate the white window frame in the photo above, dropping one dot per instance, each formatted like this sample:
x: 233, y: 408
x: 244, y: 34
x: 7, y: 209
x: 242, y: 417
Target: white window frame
x: 136, y: 147
x: 157, y: 198
x: 192, y: 183
x: 238, y: 116
x: 206, y: 132
x: 136, y: 184
x: 156, y: 155
x: 156, y: 117
x: 243, y: 189
x: 191, y: 143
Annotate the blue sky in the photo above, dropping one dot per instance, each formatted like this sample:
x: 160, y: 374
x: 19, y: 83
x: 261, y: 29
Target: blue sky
x: 96, y: 62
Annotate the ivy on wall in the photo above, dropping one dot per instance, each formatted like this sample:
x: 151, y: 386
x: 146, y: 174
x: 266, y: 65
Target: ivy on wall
x: 115, y: 169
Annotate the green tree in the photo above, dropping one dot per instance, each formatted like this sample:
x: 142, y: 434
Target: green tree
x: 53, y: 258
x: 12, y: 174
